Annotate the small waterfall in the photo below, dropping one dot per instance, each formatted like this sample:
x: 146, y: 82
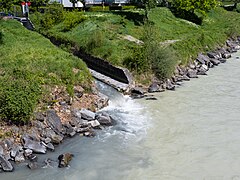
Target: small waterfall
x: 129, y: 114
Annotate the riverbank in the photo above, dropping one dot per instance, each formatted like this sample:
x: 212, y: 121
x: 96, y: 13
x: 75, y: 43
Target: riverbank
x: 64, y: 120
x: 122, y: 37
x: 44, y: 94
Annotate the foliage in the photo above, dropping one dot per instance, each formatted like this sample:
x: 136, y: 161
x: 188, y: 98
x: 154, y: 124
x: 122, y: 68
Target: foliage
x: 19, y: 97
x: 52, y: 15
x: 29, y: 65
x: 1, y: 37
x: 137, y: 61
x: 162, y: 60
x: 201, y: 6
x: 72, y: 19
x: 193, y: 10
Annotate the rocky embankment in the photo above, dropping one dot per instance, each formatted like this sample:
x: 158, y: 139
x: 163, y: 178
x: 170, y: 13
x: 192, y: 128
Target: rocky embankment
x: 63, y: 120
x: 199, y: 66
x: 45, y: 132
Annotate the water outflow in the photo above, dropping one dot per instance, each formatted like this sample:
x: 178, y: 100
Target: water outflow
x: 192, y: 133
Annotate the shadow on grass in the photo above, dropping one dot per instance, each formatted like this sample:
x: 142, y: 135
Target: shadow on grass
x: 136, y: 17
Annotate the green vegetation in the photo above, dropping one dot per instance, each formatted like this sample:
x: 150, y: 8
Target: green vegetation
x: 106, y: 35
x: 29, y: 67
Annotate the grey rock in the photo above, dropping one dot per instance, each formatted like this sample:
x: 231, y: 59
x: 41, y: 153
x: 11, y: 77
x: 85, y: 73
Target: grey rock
x: 82, y: 130
x: 222, y: 60
x: 226, y: 55
x: 169, y: 85
x: 54, y: 121
x: 202, y: 71
x: 192, y: 73
x: 215, y: 62
x: 49, y: 146
x: 27, y: 152
x: 1, y: 150
x: 69, y: 130
x: 8, y: 143
x: 90, y: 133
x: 33, y: 165
x: 88, y: 115
x: 39, y: 116
x: 138, y: 91
x: 102, y: 101
x: 38, y: 124
x: 33, y: 158
x: 94, y: 123
x: 55, y: 138
x: 104, y: 119
x: 35, y: 146
x: 19, y: 157
x: 14, y: 151
x: 154, y: 87
x: 5, y: 164
x: 64, y: 159
x: 203, y: 59
x: 47, y: 140
x: 213, y: 55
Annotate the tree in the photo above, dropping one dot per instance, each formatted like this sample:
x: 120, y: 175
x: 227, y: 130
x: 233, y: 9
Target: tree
x: 191, y: 6
x: 6, y: 4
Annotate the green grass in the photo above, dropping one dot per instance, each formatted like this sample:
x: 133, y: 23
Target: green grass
x: 29, y: 64
x: 101, y: 33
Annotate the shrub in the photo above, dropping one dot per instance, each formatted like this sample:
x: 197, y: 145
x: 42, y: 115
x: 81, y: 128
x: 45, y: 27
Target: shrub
x: 18, y: 98
x: 72, y: 19
x: 51, y: 16
x: 137, y: 61
x: 162, y: 60
x: 1, y: 38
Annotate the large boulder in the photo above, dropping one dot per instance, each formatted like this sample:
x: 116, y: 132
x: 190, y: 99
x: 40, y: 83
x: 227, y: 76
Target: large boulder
x: 191, y: 73
x: 104, y: 119
x: 137, y: 92
x: 154, y: 87
x: 88, y: 115
x: 64, y: 159
x: 54, y: 121
x: 35, y: 146
x: 55, y: 138
x: 215, y: 62
x: 69, y: 130
x: 203, y: 59
x: 169, y: 85
x: 214, y: 55
x: 5, y: 164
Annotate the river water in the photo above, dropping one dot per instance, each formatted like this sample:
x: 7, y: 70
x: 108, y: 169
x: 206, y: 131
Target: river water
x: 192, y: 133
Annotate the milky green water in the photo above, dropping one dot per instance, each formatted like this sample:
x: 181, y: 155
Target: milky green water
x: 192, y: 133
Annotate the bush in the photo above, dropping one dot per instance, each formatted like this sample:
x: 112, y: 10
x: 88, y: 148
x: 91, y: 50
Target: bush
x: 1, y: 37
x: 72, y: 19
x: 162, y: 60
x: 137, y: 61
x: 51, y: 16
x: 18, y: 98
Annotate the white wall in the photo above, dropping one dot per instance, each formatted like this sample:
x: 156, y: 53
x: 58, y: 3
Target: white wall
x: 67, y: 3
